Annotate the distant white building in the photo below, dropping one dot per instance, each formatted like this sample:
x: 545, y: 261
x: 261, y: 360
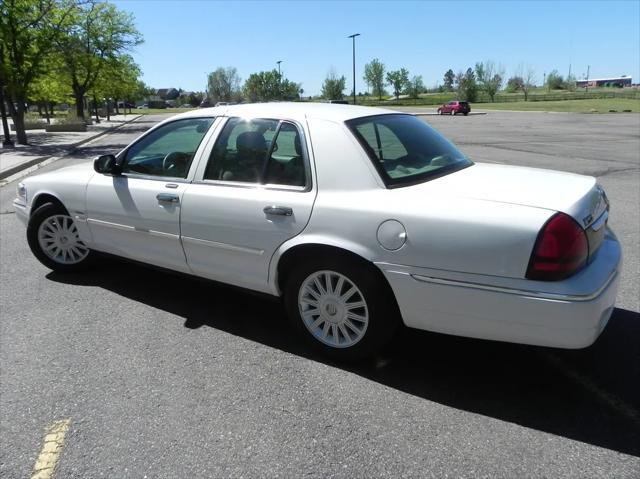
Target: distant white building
x: 619, y: 82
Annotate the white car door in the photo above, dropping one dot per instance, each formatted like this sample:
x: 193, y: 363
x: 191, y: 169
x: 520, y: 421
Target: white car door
x: 253, y: 193
x: 137, y: 214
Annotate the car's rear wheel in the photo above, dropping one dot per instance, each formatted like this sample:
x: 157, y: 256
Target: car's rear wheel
x: 53, y: 238
x: 341, y: 307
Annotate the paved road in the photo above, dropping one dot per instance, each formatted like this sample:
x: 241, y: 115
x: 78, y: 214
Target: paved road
x: 163, y: 376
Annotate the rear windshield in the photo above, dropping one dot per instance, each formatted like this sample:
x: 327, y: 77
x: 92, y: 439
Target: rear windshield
x: 405, y: 150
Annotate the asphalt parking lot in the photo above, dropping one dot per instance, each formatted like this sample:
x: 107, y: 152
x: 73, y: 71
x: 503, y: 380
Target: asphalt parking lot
x: 164, y: 376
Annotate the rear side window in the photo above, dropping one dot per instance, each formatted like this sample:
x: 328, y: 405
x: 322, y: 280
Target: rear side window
x: 260, y: 151
x: 405, y: 150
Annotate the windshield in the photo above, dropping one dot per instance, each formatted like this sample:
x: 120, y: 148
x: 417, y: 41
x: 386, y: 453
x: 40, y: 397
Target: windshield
x: 405, y: 150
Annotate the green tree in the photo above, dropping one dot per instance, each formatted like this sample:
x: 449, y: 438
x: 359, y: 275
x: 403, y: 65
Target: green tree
x: 49, y: 89
x: 98, y: 34
x: 466, y: 85
x: 333, y: 87
x: 268, y: 86
x: 28, y: 30
x: 224, y: 85
x: 489, y: 77
x: 374, y: 77
x: 398, y: 80
x: 449, y: 78
x: 555, y: 81
x: 415, y: 87
x: 118, y: 80
x: 514, y: 84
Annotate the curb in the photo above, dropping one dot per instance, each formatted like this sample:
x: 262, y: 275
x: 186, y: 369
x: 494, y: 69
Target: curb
x: 72, y: 147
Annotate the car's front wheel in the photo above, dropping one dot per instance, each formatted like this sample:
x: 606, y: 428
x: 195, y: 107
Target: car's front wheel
x: 53, y: 238
x: 341, y: 307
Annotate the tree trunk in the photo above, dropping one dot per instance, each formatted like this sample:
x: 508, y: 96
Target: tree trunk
x: 117, y: 110
x: 7, y: 142
x: 17, y: 115
x: 78, y: 94
x: 46, y: 112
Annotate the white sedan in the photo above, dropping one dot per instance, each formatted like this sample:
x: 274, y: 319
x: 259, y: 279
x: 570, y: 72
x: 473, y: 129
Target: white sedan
x: 361, y: 219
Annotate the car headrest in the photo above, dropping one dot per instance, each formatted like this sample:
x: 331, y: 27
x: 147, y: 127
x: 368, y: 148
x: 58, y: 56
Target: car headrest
x: 251, y: 140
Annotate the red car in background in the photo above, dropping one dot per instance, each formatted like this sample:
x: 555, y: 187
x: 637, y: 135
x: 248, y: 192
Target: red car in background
x: 455, y: 107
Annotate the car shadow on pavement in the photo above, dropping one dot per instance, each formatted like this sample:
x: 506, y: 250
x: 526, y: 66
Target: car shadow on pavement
x: 590, y: 395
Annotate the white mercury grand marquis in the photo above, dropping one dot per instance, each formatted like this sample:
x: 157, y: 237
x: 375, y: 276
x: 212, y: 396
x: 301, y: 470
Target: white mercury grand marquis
x: 359, y: 218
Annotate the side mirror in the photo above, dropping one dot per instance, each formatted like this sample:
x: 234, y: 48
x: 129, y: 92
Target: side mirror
x: 106, y: 165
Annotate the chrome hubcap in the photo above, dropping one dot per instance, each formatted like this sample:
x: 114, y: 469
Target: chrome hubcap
x: 59, y: 240
x: 333, y: 309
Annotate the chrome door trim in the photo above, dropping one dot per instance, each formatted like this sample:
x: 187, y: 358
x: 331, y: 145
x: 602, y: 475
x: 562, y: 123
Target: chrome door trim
x: 519, y: 292
x: 132, y: 229
x: 225, y: 246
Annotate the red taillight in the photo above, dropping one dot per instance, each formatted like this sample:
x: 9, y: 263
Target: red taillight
x: 561, y: 249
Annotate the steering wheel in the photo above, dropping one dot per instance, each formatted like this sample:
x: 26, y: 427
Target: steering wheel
x: 175, y: 163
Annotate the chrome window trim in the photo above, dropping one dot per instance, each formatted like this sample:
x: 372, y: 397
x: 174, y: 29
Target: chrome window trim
x: 165, y: 179
x: 260, y: 186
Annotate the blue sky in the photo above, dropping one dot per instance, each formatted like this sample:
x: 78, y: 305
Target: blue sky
x: 186, y: 39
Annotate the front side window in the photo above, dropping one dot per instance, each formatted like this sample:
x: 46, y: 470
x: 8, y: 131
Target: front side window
x: 168, y: 150
x: 405, y: 150
x: 262, y: 151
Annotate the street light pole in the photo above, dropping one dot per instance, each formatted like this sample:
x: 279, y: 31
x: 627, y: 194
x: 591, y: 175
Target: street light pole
x: 353, y: 37
x: 279, y: 80
x: 586, y: 86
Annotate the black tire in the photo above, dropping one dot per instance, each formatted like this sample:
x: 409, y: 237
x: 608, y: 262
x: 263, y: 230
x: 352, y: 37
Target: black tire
x: 39, y: 216
x: 466, y: 113
x: 383, y: 314
x: 439, y: 111
x: 453, y: 112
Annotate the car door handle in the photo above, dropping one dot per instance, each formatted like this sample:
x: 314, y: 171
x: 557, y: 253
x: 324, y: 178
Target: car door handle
x: 168, y: 197
x: 278, y: 210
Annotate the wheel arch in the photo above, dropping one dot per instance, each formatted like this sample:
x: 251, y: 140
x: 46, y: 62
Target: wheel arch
x: 288, y: 258
x: 45, y: 197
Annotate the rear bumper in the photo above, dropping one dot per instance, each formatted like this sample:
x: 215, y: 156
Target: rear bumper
x: 560, y: 318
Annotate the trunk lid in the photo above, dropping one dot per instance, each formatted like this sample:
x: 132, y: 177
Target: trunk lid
x: 576, y: 195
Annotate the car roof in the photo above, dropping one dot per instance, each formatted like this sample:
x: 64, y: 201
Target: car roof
x: 291, y: 110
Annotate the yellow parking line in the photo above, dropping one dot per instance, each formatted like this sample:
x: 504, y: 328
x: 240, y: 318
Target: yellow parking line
x: 51, y: 449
